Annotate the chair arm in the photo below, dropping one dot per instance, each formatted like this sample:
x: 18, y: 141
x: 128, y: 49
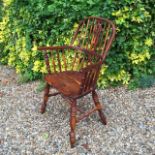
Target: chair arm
x: 56, y: 57
x: 91, y: 67
x: 91, y: 73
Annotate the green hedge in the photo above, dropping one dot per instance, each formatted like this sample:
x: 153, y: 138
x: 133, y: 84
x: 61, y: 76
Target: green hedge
x: 27, y: 24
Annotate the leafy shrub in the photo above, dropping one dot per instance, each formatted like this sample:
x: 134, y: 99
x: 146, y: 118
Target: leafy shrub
x: 145, y: 81
x: 28, y: 24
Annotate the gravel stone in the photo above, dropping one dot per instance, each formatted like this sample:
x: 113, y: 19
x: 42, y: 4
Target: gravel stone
x: 25, y: 131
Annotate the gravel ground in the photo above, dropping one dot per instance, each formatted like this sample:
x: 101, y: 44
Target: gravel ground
x: 24, y: 131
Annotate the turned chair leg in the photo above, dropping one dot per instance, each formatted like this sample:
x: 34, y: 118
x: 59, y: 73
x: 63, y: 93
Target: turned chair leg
x: 99, y: 107
x: 46, y: 92
x: 73, y: 122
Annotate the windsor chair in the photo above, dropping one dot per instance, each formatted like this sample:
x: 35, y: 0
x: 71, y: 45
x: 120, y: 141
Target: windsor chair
x: 73, y: 70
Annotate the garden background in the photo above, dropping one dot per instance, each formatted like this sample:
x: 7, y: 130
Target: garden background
x: 25, y: 25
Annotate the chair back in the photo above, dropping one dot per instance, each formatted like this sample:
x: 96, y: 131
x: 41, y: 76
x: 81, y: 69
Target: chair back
x: 96, y: 34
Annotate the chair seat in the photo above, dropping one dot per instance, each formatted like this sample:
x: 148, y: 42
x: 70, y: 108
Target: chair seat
x: 67, y: 83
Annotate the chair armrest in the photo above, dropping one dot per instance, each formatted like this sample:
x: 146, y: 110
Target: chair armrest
x: 51, y: 48
x: 56, y: 57
x: 91, y: 73
x: 91, y: 67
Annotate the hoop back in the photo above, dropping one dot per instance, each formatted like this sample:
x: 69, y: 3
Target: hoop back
x: 96, y: 34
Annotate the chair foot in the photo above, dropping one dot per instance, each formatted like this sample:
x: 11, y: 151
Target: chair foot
x: 44, y: 104
x: 73, y: 122
x: 98, y: 106
x: 43, y: 108
x: 72, y: 139
x: 102, y: 117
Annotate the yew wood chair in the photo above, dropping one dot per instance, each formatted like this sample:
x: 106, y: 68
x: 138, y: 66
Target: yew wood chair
x: 73, y: 70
